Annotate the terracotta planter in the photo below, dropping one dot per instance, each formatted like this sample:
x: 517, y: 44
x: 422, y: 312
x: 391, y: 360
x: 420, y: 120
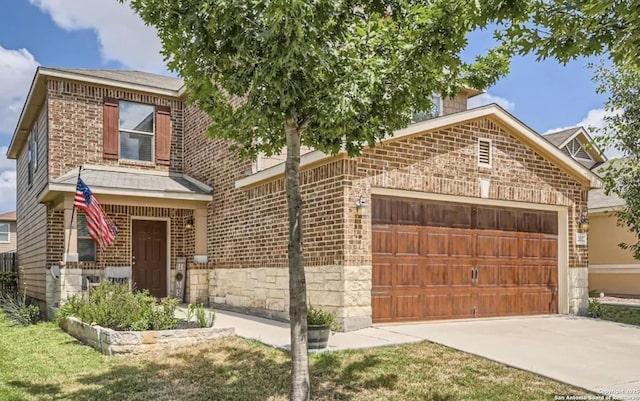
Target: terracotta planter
x: 318, y: 336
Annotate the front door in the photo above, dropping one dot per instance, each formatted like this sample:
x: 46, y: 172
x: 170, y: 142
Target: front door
x: 149, y: 256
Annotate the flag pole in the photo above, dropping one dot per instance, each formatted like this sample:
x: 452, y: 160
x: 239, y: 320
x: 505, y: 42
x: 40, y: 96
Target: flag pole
x: 73, y: 213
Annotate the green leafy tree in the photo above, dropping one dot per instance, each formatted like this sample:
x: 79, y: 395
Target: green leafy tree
x: 622, y: 133
x: 566, y: 29
x: 333, y: 75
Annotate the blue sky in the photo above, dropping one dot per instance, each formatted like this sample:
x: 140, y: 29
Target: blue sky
x: 105, y: 34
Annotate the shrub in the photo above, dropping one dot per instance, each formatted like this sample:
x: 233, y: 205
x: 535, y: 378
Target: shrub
x: 115, y: 306
x: 319, y: 317
x: 19, y: 309
x: 595, y: 308
x: 8, y: 281
x: 203, y: 318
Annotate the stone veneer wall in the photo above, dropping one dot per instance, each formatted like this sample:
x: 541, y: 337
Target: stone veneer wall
x: 343, y: 290
x: 111, y: 342
x: 197, y: 285
x: 578, y: 290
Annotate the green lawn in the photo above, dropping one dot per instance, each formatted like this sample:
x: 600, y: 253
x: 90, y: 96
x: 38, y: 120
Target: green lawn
x: 43, y: 363
x: 621, y: 314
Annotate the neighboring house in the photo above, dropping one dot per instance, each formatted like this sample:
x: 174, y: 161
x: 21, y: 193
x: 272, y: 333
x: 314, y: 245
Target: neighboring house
x: 469, y: 213
x: 8, y: 235
x: 612, y: 270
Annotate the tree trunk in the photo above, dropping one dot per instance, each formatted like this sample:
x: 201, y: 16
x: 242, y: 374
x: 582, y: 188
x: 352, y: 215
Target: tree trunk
x: 300, y: 388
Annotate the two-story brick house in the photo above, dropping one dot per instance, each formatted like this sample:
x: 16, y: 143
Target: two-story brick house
x: 469, y: 213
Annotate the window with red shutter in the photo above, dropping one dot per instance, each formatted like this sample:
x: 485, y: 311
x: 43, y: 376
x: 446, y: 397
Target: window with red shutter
x: 163, y: 135
x: 110, y: 128
x: 137, y: 125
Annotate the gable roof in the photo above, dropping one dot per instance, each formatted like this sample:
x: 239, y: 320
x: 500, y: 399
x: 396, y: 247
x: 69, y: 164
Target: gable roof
x: 562, y: 138
x: 128, y: 77
x: 129, y: 80
x: 9, y: 216
x: 494, y: 111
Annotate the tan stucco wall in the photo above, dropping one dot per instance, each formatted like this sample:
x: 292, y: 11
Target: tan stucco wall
x: 615, y: 284
x: 604, y: 237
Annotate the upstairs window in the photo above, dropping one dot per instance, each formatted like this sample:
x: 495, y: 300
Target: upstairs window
x: 5, y: 234
x: 86, y: 246
x: 484, y: 152
x: 136, y: 131
x: 436, y: 111
x: 30, y: 163
x: 34, y: 146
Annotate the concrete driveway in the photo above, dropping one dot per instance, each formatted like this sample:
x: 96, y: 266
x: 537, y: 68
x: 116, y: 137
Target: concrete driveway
x: 595, y: 355
x: 591, y: 354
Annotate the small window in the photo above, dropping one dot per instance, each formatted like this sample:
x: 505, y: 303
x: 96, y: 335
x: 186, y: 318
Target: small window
x: 29, y: 164
x: 34, y: 146
x: 484, y: 152
x: 436, y: 111
x: 137, y: 131
x: 86, y: 246
x: 5, y: 234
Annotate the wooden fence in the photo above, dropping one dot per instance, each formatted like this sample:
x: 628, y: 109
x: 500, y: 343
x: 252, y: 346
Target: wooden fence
x: 8, y: 265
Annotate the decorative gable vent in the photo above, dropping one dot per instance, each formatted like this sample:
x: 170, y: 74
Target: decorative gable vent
x: 484, y: 152
x: 575, y: 150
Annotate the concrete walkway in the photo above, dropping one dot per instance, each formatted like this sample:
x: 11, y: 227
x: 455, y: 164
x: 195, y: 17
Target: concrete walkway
x: 591, y: 354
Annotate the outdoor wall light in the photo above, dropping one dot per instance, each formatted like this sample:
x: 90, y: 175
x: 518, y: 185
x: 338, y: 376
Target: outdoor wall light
x: 189, y: 225
x: 361, y: 206
x: 583, y: 222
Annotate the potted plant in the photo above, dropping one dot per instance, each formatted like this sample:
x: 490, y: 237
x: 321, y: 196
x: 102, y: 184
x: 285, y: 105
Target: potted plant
x: 319, y: 324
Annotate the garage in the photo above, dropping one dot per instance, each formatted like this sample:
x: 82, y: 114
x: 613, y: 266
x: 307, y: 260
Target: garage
x: 443, y: 260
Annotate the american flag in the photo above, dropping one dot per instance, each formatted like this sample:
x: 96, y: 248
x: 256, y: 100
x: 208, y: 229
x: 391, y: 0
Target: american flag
x: 101, y: 229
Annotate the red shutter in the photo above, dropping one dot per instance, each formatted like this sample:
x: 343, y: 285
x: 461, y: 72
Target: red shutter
x: 110, y: 123
x: 163, y: 135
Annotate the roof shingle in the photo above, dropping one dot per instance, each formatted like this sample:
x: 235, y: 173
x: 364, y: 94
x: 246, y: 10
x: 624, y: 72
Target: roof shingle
x: 557, y: 138
x: 130, y: 77
x: 125, y: 180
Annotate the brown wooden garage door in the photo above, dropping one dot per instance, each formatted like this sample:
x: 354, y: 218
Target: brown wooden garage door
x: 440, y: 260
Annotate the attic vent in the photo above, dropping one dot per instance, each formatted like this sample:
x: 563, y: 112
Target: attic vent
x: 484, y: 152
x: 576, y: 150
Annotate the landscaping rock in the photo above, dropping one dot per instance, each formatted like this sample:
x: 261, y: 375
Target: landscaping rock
x: 111, y: 342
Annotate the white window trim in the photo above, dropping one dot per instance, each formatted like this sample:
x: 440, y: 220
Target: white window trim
x: 8, y: 225
x: 480, y: 164
x: 35, y: 147
x: 78, y: 238
x: 440, y: 104
x: 132, y: 131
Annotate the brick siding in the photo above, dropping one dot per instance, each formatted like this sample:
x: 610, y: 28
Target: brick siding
x: 248, y: 227
x: 119, y: 254
x: 75, y: 126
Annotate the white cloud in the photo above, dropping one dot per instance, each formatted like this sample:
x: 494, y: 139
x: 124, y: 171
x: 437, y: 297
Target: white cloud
x: 7, y: 182
x: 122, y: 34
x: 487, y: 98
x: 594, y: 120
x: 17, y: 68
